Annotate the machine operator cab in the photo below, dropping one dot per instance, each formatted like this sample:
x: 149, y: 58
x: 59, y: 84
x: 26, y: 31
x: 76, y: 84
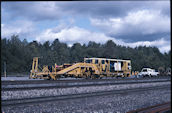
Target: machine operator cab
x: 112, y: 66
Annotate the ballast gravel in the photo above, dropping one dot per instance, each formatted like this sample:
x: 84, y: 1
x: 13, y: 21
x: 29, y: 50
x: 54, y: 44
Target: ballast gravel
x: 6, y: 95
x: 115, y: 103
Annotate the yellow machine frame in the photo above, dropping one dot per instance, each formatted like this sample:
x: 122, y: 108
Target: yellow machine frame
x: 105, y: 66
x: 91, y: 68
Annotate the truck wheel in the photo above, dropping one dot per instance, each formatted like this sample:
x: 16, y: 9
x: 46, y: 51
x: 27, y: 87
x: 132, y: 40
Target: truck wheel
x: 150, y: 75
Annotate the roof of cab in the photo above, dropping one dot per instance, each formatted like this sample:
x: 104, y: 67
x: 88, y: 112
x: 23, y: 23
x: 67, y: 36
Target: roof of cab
x: 109, y: 59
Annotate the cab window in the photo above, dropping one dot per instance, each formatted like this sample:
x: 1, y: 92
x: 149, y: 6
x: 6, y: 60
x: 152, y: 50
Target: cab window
x: 129, y: 64
x: 96, y: 61
x: 103, y: 62
x: 88, y: 61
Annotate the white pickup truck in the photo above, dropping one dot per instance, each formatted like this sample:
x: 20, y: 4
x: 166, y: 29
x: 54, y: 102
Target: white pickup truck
x: 148, y: 72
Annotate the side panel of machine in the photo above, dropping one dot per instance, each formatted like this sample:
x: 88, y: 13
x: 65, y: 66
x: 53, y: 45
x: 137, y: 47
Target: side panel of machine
x: 111, y: 67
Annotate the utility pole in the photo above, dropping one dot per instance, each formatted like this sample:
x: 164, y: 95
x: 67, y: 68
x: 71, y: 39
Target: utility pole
x: 5, y: 72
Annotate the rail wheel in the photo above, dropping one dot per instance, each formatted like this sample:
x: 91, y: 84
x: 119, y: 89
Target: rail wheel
x: 48, y: 78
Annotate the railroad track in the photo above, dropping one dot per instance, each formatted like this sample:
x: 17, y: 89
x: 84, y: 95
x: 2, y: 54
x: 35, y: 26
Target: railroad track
x: 160, y: 108
x: 50, y: 86
x: 35, y: 100
x: 76, y: 80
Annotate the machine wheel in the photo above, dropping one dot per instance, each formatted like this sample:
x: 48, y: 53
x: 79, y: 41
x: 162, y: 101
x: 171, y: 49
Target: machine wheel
x: 49, y: 78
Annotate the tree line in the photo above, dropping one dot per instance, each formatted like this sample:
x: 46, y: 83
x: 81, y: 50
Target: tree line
x: 18, y: 54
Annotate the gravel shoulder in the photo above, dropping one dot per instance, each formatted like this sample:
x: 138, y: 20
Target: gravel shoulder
x: 6, y: 95
x: 115, y: 103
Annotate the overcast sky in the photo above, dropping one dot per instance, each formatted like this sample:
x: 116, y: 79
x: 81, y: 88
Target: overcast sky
x: 128, y: 23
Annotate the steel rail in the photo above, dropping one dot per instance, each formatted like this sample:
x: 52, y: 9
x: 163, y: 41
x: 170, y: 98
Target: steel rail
x: 76, y: 85
x: 159, y: 108
x: 9, y: 82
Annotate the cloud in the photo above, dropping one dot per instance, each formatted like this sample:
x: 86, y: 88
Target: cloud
x: 148, y: 21
x: 36, y: 11
x: 165, y: 48
x: 114, y: 9
x: 97, y: 9
x: 71, y: 35
x: 162, y: 44
x: 138, y: 25
x: 141, y: 22
x: 74, y: 34
x: 115, y: 18
x: 21, y: 27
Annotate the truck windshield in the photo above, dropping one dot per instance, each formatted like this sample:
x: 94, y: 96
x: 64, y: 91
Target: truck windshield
x: 144, y: 70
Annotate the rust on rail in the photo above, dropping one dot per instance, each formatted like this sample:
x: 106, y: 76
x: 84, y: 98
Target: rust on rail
x: 160, y: 108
